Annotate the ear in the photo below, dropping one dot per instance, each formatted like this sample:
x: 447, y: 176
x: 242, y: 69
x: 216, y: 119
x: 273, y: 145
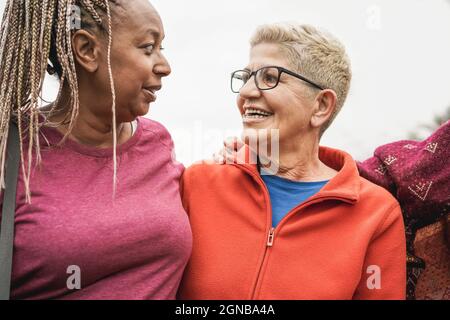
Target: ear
x: 86, y: 48
x: 324, y: 107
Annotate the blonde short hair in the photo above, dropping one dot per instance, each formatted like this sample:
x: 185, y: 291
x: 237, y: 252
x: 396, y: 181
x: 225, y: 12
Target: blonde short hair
x: 316, y: 54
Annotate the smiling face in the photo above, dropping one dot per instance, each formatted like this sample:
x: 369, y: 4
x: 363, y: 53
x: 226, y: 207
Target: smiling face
x: 288, y: 107
x: 137, y: 62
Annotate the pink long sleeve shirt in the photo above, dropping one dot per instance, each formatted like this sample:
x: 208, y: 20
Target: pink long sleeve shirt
x: 135, y: 247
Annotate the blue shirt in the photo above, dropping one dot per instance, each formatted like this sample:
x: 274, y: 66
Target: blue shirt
x: 286, y: 194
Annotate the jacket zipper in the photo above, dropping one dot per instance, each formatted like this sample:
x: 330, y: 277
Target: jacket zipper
x: 271, y: 237
x: 269, y: 243
x: 271, y: 233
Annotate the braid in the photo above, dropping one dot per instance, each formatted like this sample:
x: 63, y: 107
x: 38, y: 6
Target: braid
x: 113, y: 93
x: 90, y: 8
x: 8, y: 39
x: 32, y: 32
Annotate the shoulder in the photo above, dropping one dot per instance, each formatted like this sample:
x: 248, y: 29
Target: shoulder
x: 211, y: 176
x: 374, y: 192
x: 378, y: 203
x: 156, y: 129
x: 206, y: 170
x: 369, y: 189
x: 156, y: 140
x: 153, y: 126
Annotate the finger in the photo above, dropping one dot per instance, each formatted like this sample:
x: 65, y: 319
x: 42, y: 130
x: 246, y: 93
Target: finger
x: 225, y: 156
x: 246, y: 156
x: 218, y: 158
x: 239, y: 144
x: 231, y: 143
x: 229, y: 155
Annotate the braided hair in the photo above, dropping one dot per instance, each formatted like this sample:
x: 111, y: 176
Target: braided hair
x: 34, y: 33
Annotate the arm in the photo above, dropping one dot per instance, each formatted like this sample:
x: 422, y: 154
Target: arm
x: 384, y: 271
x: 415, y: 173
x: 184, y: 192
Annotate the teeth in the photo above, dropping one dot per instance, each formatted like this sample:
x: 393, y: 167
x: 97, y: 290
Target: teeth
x: 257, y: 113
x: 255, y: 117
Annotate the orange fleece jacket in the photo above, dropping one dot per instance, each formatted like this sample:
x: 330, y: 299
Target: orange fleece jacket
x: 345, y: 242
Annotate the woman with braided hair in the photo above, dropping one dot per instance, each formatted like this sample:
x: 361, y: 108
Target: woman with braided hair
x: 98, y: 212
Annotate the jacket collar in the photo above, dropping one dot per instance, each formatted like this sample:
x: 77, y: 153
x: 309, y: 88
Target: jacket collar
x: 344, y: 186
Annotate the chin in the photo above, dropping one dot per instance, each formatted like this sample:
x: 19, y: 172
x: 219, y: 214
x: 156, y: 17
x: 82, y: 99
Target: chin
x: 260, y: 132
x: 259, y: 127
x: 132, y: 114
x: 141, y: 110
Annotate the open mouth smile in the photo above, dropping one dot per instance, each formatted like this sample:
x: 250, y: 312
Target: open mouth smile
x: 253, y: 114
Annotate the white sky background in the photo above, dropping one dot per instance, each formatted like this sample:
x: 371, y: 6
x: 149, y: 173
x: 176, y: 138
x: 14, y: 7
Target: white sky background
x: 400, y: 53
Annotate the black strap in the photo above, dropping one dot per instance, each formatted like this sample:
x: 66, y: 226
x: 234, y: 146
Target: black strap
x: 8, y: 211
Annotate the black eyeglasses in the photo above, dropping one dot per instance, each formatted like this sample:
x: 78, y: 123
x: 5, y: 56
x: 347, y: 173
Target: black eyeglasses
x: 266, y: 78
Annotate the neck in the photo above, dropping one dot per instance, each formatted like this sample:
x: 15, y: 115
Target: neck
x: 89, y: 128
x: 299, y: 161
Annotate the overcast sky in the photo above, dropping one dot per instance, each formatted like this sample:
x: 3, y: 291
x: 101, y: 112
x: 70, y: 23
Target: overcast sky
x: 399, y: 50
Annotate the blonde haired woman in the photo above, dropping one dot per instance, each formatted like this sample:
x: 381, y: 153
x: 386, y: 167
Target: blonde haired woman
x: 313, y: 229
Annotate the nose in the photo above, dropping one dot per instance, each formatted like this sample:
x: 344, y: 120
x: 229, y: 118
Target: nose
x: 250, y: 90
x: 162, y: 66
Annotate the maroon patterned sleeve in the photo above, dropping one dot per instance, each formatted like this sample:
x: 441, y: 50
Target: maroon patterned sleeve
x: 416, y: 173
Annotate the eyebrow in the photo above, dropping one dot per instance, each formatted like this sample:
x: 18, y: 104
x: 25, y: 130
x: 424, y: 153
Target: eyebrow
x: 257, y: 68
x: 155, y: 33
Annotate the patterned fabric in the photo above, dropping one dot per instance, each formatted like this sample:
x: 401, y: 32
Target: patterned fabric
x: 418, y: 175
x: 431, y: 244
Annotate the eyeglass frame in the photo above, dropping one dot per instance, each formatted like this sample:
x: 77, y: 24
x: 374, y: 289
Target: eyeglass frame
x: 280, y: 72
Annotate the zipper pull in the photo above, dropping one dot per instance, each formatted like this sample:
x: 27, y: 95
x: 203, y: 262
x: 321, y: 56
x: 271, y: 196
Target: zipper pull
x: 270, y: 238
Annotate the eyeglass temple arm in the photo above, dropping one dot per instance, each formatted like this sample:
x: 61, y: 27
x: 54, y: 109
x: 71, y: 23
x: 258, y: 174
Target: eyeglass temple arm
x: 301, y: 78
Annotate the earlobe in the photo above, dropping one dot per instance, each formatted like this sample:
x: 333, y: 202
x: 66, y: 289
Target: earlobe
x: 85, y: 48
x: 325, y: 106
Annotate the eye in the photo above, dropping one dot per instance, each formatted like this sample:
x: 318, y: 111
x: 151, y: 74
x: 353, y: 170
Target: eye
x: 149, y: 48
x: 241, y: 76
x: 270, y: 78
